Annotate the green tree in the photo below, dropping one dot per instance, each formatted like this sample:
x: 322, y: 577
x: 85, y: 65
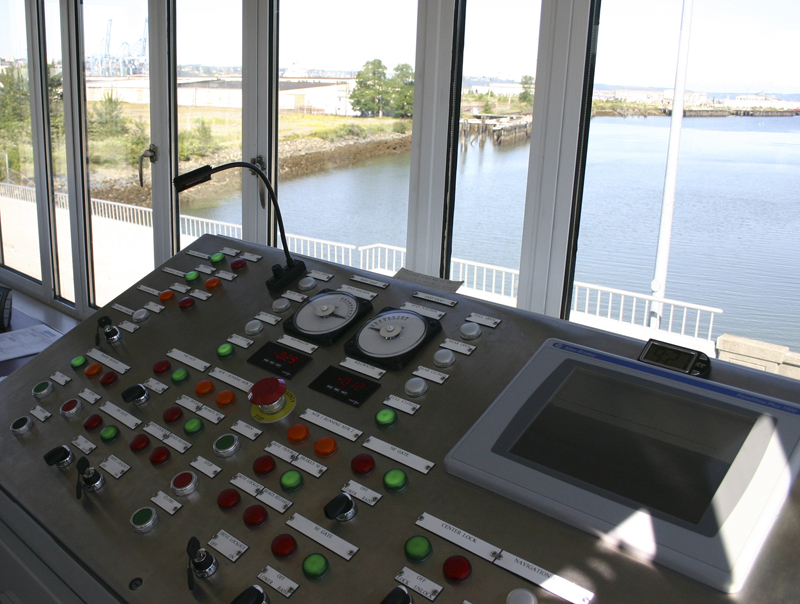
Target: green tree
x: 371, y: 97
x: 402, y: 91
x: 55, y: 88
x: 15, y: 118
x: 106, y: 120
x: 526, y: 96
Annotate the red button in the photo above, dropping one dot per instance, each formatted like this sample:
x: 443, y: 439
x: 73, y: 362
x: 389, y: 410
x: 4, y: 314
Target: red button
x: 228, y: 499
x: 93, y: 370
x: 204, y: 388
x: 182, y: 480
x: 166, y: 295
x: 264, y: 465
x: 139, y: 443
x: 255, y: 516
x: 186, y: 303
x: 161, y: 366
x: 362, y: 464
x: 325, y: 447
x: 284, y: 546
x: 92, y: 422
x: 297, y: 434
x: 238, y: 264
x: 457, y: 569
x: 213, y: 283
x: 266, y: 391
x: 70, y: 405
x: 172, y: 415
x: 108, y: 378
x: 159, y: 456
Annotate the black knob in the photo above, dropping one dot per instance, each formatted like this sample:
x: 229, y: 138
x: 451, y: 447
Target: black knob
x: 202, y: 563
x: 136, y: 394
x: 341, y: 508
x: 399, y: 595
x: 252, y: 595
x: 60, y: 456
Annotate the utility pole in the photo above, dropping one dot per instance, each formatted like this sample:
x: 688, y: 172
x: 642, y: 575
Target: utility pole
x: 659, y: 283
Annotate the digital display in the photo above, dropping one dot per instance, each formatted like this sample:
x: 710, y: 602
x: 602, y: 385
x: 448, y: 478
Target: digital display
x: 278, y: 359
x: 344, y: 386
x: 669, y: 356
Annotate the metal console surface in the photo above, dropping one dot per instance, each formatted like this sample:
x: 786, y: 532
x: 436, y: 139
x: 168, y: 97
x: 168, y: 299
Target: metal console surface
x: 96, y: 532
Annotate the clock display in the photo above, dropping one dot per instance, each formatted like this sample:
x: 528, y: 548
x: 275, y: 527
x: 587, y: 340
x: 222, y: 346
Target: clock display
x: 344, y: 386
x: 279, y: 359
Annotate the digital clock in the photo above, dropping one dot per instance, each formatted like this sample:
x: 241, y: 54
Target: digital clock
x: 677, y: 358
x: 279, y: 359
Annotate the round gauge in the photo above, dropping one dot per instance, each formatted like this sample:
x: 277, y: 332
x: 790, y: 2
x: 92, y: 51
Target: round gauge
x: 327, y: 315
x: 391, y: 334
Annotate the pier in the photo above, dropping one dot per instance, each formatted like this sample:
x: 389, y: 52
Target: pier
x: 500, y: 129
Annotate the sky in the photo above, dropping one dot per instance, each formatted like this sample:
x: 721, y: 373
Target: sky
x: 736, y: 45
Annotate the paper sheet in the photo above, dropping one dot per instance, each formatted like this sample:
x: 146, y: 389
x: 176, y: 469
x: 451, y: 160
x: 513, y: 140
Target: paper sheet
x: 24, y: 342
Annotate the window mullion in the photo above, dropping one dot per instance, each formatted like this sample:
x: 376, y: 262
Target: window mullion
x: 554, y: 146
x: 77, y: 166
x: 429, y: 145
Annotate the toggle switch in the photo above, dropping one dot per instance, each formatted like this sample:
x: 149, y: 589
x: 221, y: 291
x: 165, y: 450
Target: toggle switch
x: 202, y: 563
x: 89, y: 478
x: 252, y: 595
x: 399, y: 595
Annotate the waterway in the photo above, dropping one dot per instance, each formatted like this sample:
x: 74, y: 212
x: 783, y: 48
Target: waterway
x: 736, y: 231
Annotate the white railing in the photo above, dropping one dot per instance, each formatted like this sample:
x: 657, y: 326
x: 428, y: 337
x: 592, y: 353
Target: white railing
x: 379, y: 257
x: 692, y: 320
x: 340, y: 253
x: 487, y: 278
x: 684, y: 318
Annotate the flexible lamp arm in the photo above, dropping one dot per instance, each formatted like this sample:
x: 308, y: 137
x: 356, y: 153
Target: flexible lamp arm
x: 203, y: 174
x: 281, y: 275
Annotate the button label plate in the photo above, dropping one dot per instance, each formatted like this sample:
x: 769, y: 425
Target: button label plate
x: 325, y: 538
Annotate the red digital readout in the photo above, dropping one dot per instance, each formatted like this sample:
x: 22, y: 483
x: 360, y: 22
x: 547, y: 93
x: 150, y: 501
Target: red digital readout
x: 351, y: 383
x: 286, y: 357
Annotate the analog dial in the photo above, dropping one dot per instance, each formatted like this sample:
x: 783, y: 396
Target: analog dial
x: 326, y: 313
x: 391, y: 334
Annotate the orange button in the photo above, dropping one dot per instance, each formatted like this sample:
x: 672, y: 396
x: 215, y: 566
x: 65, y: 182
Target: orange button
x: 298, y: 434
x: 226, y: 398
x: 325, y: 447
x: 93, y: 370
x: 204, y: 388
x: 213, y: 283
x: 166, y: 295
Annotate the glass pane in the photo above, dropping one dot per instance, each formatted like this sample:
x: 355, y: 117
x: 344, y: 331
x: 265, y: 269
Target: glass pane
x: 19, y: 227
x: 210, y: 115
x: 345, y: 104
x: 494, y: 144
x: 118, y: 110
x: 734, y: 244
x: 58, y: 145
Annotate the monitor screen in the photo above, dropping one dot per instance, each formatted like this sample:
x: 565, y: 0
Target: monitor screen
x: 646, y: 446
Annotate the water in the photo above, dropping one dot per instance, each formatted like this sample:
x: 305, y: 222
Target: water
x: 736, y: 229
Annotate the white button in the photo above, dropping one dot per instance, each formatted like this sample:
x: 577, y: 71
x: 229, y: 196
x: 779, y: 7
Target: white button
x: 254, y: 327
x: 470, y: 331
x: 444, y: 357
x: 281, y: 305
x: 306, y: 284
x: 521, y: 596
x: 416, y: 386
x: 140, y: 315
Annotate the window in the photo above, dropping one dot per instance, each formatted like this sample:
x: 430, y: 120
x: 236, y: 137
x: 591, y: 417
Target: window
x: 735, y: 223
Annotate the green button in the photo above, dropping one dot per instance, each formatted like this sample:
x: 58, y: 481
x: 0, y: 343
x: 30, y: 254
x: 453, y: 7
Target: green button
x: 218, y: 257
x: 291, y: 480
x: 192, y: 276
x: 193, y: 426
x: 179, y: 376
x: 109, y: 433
x: 41, y: 387
x: 395, y: 480
x: 225, y: 351
x: 315, y: 566
x: 142, y: 516
x: 225, y: 442
x: 78, y: 362
x: 418, y: 548
x: 386, y: 418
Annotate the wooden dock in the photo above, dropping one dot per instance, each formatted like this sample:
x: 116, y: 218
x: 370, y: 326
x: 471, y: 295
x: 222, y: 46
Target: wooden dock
x: 499, y: 129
